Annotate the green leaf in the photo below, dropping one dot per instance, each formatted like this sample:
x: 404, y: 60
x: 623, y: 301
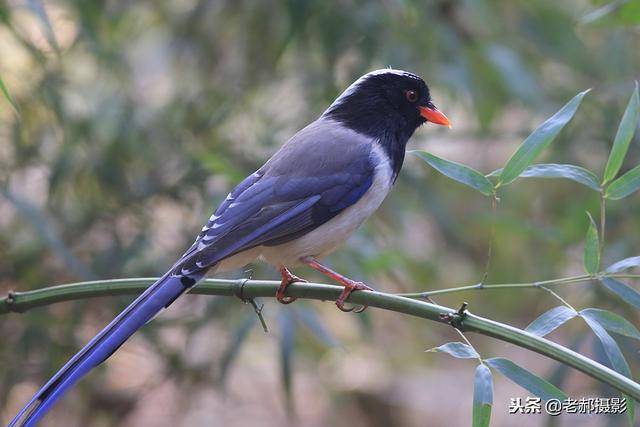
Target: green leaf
x: 525, y: 379
x: 572, y: 172
x: 627, y: 293
x: 7, y: 95
x: 599, y: 13
x: 614, y: 354
x: 591, y: 248
x: 626, y: 129
x: 482, y: 396
x: 458, y: 172
x: 551, y: 320
x: 552, y: 170
x: 625, y: 185
x: 538, y: 140
x: 624, y: 264
x: 456, y: 349
x: 612, y: 322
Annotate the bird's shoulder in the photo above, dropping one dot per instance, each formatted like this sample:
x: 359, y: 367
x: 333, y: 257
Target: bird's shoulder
x: 323, y: 148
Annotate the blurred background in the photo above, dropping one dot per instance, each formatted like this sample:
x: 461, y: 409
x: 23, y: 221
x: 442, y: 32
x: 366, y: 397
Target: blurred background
x: 134, y: 119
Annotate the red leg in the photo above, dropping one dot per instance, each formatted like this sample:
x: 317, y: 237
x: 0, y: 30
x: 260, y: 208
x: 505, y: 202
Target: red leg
x: 287, y: 279
x: 349, y: 285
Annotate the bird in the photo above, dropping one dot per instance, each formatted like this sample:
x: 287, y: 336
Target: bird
x: 306, y: 200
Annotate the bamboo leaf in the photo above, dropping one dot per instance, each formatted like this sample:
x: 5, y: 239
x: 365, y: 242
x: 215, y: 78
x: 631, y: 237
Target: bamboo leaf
x: 591, y: 248
x: 612, y: 322
x: 627, y: 293
x: 625, y: 132
x: 525, y: 379
x: 539, y: 140
x: 624, y: 264
x: 456, y: 349
x: 614, y: 354
x: 458, y: 172
x: 551, y: 320
x: 625, y: 185
x: 553, y: 170
x: 8, y: 97
x: 482, y: 396
x: 600, y: 12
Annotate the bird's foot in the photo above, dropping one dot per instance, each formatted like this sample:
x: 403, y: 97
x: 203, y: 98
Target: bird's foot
x: 349, y: 287
x: 287, y: 279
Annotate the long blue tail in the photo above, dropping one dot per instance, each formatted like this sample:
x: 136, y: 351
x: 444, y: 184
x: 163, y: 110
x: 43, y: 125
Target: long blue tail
x: 158, y: 296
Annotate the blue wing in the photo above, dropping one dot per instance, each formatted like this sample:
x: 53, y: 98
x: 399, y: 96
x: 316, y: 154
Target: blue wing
x: 299, y: 189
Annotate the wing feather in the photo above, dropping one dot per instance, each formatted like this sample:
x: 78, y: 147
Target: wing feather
x: 298, y: 190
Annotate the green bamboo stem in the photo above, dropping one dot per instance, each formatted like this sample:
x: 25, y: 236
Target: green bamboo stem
x: 248, y: 289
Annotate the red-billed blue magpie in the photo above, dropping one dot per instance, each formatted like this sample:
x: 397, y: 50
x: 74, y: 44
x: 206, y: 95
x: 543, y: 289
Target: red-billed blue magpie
x: 298, y: 207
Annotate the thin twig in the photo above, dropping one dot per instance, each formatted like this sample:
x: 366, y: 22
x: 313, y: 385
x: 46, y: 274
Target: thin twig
x: 562, y: 300
x: 466, y: 340
x: 603, y: 221
x: 552, y: 282
x: 492, y: 236
x: 258, y: 311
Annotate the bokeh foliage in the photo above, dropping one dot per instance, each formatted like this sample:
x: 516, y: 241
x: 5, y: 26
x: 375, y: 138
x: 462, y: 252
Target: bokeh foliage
x: 129, y: 121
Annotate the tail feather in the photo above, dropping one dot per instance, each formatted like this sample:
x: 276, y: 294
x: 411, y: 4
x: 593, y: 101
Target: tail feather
x: 158, y: 296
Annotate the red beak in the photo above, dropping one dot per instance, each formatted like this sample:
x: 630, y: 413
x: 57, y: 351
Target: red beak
x: 433, y: 115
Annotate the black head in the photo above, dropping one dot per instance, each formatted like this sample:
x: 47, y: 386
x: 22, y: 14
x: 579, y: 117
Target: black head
x: 388, y: 105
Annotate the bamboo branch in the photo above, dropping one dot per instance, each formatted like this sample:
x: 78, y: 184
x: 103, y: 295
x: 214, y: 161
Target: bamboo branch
x: 540, y: 285
x: 246, y: 289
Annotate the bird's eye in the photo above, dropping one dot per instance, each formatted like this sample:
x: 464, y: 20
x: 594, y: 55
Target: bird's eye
x: 411, y: 95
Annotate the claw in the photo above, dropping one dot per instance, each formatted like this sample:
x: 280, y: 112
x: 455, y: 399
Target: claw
x: 284, y: 299
x: 287, y: 279
x: 342, y: 308
x: 348, y: 289
x: 361, y: 309
x: 349, y: 285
